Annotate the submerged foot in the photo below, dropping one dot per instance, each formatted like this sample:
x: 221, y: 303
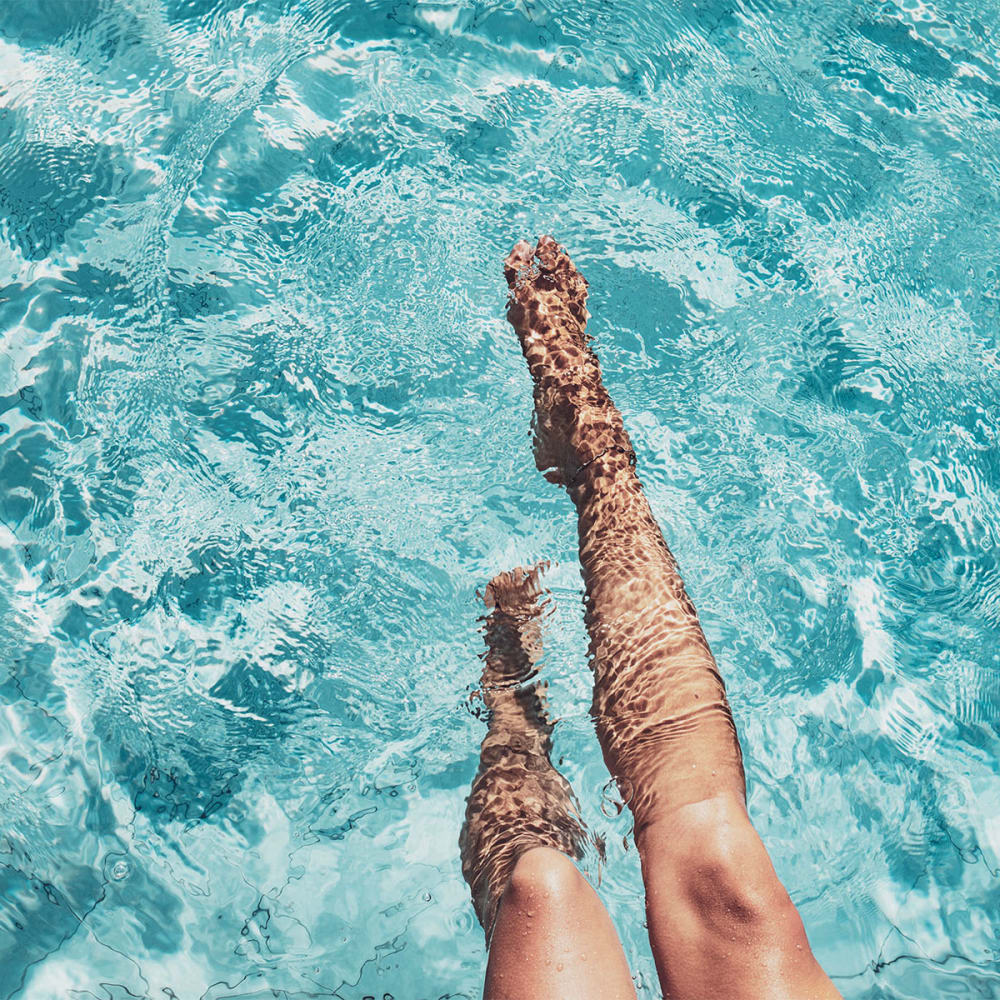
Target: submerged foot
x: 513, y: 628
x: 575, y: 420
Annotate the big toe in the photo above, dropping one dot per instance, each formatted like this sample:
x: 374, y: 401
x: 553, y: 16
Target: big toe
x: 519, y: 262
x: 548, y: 253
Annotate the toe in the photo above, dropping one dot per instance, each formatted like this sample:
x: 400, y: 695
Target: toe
x: 555, y: 262
x: 519, y: 263
x: 514, y: 589
x: 548, y: 253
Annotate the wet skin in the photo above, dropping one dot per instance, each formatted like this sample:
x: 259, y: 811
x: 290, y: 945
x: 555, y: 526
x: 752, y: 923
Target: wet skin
x: 552, y: 936
x: 721, y: 924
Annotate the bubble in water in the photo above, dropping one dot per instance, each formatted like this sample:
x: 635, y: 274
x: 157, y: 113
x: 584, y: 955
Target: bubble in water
x: 613, y: 804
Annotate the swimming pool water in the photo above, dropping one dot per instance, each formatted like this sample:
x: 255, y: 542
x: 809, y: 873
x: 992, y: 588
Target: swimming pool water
x: 264, y: 431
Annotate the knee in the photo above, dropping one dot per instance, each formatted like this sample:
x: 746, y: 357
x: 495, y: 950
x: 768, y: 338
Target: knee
x: 721, y: 891
x: 544, y: 879
x: 721, y: 870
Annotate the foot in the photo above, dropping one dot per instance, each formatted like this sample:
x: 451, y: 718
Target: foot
x: 575, y: 420
x: 513, y: 628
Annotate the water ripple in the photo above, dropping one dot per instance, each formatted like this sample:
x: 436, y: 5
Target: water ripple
x: 263, y: 432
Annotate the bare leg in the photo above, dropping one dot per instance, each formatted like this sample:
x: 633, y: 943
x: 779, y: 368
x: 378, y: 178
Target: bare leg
x: 550, y: 935
x: 721, y: 924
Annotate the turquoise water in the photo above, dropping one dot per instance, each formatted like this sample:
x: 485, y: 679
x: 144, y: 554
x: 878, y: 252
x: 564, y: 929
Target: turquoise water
x: 263, y: 432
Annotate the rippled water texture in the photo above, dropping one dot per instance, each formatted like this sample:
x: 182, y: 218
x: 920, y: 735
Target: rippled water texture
x: 264, y: 431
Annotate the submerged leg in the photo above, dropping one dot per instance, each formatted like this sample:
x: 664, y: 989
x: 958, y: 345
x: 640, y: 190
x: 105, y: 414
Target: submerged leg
x: 721, y: 924
x: 549, y: 934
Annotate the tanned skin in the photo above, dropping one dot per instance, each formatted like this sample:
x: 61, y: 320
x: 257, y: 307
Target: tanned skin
x: 721, y: 924
x: 551, y: 936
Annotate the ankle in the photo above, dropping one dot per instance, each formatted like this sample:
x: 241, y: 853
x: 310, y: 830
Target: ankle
x: 607, y: 470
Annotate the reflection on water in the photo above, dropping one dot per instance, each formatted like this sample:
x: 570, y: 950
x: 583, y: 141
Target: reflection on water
x: 264, y: 431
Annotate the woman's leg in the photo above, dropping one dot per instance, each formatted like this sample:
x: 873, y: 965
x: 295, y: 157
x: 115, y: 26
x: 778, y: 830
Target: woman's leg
x: 549, y: 934
x: 721, y: 924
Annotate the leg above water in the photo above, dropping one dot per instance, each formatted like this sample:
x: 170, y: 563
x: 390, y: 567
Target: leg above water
x: 554, y: 938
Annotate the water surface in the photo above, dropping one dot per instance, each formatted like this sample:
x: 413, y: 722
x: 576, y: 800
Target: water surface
x: 264, y: 431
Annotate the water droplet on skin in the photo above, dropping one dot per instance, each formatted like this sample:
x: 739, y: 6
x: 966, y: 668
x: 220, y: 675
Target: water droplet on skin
x: 120, y: 870
x: 559, y: 966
